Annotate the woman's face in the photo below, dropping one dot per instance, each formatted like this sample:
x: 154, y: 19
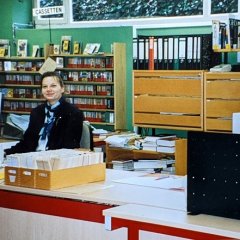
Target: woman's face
x: 51, y: 89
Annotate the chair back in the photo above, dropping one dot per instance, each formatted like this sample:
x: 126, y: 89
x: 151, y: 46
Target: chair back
x: 87, y: 137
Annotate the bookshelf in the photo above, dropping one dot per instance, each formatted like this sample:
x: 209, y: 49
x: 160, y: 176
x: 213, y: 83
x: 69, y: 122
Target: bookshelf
x: 170, y: 99
x: 96, y: 83
x: 222, y: 99
x: 180, y: 155
x: 20, y: 84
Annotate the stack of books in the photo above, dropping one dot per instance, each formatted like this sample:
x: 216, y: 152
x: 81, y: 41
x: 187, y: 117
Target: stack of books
x: 164, y: 144
x: 127, y: 165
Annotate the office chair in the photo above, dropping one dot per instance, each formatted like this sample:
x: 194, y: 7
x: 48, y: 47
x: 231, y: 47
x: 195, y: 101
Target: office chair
x: 87, y: 137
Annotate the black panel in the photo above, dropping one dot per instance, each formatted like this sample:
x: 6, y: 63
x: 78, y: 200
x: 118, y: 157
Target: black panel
x: 214, y: 174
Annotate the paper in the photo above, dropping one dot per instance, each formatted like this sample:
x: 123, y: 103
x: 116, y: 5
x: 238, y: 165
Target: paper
x: 236, y: 123
x: 49, y: 66
x: 156, y: 181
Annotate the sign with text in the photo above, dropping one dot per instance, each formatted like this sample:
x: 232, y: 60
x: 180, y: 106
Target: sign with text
x: 47, y: 11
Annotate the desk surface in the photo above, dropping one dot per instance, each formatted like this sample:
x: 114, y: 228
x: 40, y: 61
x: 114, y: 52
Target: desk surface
x: 114, y: 193
x: 149, y: 204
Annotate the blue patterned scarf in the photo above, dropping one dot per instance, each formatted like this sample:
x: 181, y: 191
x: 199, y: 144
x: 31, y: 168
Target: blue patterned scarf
x: 49, y: 120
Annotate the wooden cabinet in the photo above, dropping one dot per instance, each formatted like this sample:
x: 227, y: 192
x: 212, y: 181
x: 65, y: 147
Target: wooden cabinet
x: 222, y: 99
x: 168, y: 99
x: 97, y: 85
x: 20, y: 84
x: 180, y: 155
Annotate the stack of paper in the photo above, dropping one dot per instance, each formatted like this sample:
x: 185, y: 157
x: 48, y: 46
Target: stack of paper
x: 126, y: 165
x: 166, y: 145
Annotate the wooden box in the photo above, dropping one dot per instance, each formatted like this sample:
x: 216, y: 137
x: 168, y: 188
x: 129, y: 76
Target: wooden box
x: 50, y: 180
x: 12, y: 176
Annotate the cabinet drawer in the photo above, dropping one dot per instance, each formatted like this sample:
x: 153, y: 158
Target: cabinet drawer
x: 223, y: 89
x: 168, y: 120
x: 222, y: 108
x: 170, y: 87
x: 157, y: 104
x: 218, y: 124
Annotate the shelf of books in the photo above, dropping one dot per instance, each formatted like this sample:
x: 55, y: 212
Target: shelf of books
x: 96, y: 83
x: 20, y: 83
x: 226, y: 35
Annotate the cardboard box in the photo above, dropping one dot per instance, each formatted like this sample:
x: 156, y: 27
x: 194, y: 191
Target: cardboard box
x: 49, y: 180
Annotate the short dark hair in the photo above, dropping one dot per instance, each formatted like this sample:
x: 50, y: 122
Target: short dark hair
x: 55, y: 75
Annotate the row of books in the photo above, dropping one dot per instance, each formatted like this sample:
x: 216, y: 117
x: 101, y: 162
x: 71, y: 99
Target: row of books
x: 107, y: 117
x: 164, y: 144
x: 19, y: 106
x: 87, y: 62
x: 20, y: 65
x: 66, y: 47
x: 21, y: 93
x: 226, y: 35
x: 180, y: 52
x: 92, y: 103
x: 103, y: 90
x: 85, y: 76
x: 22, y: 79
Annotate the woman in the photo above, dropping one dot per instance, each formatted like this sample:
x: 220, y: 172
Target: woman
x: 53, y: 125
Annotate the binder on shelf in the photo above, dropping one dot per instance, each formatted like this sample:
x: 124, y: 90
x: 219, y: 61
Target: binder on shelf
x: 146, y: 53
x: 189, y: 47
x: 182, y: 53
x: 165, y: 53
x: 135, y: 54
x: 160, y: 53
x: 170, y: 53
x: 176, y: 52
x: 155, y: 53
x: 151, y: 54
x: 141, y: 53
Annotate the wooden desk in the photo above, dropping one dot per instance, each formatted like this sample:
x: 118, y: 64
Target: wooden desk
x: 170, y: 222
x: 76, y: 213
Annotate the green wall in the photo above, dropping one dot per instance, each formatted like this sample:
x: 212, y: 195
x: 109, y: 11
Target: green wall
x: 15, y: 11
x: 105, y: 36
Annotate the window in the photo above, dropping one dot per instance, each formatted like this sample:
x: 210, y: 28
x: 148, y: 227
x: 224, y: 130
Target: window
x: 150, y: 14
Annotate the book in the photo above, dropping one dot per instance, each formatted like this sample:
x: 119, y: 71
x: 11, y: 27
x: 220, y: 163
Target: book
x: 49, y: 66
x: 56, y: 49
x: 35, y: 50
x: 127, y: 165
x: 2, y: 52
x: 215, y: 34
x: 164, y: 149
x: 66, y: 44
x: 76, y: 48
x: 168, y: 142
x: 91, y: 48
x: 22, y: 47
x: 5, y: 44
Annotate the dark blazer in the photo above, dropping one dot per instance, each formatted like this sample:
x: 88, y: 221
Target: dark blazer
x: 65, y: 133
